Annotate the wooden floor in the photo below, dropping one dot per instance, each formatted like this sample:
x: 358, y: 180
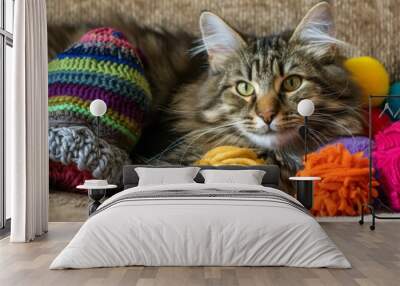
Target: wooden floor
x: 375, y: 257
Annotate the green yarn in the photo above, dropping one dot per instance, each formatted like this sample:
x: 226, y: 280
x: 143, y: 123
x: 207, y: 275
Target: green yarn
x: 101, y: 65
x: 104, y: 81
x: 94, y: 66
x: 115, y: 116
x: 105, y: 119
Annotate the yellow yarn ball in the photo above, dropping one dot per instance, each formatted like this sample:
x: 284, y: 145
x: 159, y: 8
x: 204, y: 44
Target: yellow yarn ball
x: 230, y: 155
x: 371, y: 76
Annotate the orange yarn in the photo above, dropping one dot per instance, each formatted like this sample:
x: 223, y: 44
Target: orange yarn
x: 343, y: 189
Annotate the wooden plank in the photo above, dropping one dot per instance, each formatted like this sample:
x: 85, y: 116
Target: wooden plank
x: 375, y: 257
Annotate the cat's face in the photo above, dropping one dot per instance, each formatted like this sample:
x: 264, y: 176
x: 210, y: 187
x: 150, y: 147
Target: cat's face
x: 262, y: 86
x: 256, y: 84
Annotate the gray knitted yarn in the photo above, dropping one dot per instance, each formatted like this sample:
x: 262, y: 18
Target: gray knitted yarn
x: 78, y: 145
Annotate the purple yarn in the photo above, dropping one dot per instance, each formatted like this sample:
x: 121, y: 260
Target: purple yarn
x: 354, y: 144
x: 357, y: 144
x: 123, y: 105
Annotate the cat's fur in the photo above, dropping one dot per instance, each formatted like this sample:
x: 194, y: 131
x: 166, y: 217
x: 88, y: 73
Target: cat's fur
x: 195, y: 103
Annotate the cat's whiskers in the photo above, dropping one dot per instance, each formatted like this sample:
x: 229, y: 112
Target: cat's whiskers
x: 176, y: 143
x: 181, y: 140
x: 330, y: 109
x: 333, y: 121
x: 232, y: 139
x: 313, y: 133
x: 325, y: 122
x: 218, y: 133
x: 172, y: 111
x: 295, y: 123
x: 212, y: 129
x: 324, y: 139
x: 338, y: 93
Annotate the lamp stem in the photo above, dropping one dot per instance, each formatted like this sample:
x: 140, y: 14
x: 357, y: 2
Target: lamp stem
x: 305, y: 138
x: 98, y: 138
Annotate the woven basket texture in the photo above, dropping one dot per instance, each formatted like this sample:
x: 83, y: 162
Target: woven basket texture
x: 372, y: 27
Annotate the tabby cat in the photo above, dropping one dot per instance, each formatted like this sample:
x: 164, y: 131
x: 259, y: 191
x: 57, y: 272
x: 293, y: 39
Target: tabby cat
x: 231, y: 89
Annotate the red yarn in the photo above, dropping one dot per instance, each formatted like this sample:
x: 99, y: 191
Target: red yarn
x: 387, y: 160
x: 378, y: 122
x: 67, y: 177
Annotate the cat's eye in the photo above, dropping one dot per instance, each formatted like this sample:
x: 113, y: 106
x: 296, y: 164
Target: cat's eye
x: 245, y: 89
x: 292, y: 83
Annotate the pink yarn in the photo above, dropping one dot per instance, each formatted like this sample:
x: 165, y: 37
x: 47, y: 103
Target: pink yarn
x: 387, y: 161
x: 106, y: 35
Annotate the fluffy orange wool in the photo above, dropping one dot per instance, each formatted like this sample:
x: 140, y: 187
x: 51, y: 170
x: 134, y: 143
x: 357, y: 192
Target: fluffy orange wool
x: 343, y: 188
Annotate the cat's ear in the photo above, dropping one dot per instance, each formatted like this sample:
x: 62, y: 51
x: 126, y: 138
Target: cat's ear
x: 218, y: 39
x: 317, y: 29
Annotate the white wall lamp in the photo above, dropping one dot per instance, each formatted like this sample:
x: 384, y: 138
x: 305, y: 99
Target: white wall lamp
x: 305, y: 108
x: 98, y: 108
x: 305, y: 185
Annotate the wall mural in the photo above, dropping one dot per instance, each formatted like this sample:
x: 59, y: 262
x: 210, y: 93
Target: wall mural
x: 224, y: 99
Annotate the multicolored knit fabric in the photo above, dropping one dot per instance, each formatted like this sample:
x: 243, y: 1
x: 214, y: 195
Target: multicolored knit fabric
x: 79, y: 146
x: 67, y: 177
x: 102, y: 65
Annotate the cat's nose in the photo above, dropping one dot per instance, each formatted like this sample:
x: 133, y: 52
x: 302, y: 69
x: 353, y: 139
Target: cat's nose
x: 267, y: 116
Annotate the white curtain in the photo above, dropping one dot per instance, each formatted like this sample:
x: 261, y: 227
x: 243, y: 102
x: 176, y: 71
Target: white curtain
x: 27, y: 124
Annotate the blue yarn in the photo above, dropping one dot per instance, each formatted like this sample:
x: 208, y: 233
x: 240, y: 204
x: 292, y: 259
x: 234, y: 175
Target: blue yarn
x: 100, y: 49
x: 118, y: 34
x: 108, y: 82
x: 77, y: 53
x: 394, y: 102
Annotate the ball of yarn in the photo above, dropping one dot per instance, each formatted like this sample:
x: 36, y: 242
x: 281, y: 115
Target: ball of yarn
x: 67, y: 177
x: 394, y: 102
x: 230, y: 155
x: 371, y: 76
x: 79, y: 146
x: 353, y: 144
x: 379, y: 120
x: 386, y: 157
x: 102, y: 65
x: 343, y: 188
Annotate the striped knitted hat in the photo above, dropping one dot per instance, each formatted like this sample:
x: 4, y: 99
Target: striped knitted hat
x: 102, y: 65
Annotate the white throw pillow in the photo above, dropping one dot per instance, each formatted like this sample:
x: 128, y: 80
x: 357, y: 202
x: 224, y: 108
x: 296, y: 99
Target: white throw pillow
x: 166, y: 176
x: 247, y: 177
